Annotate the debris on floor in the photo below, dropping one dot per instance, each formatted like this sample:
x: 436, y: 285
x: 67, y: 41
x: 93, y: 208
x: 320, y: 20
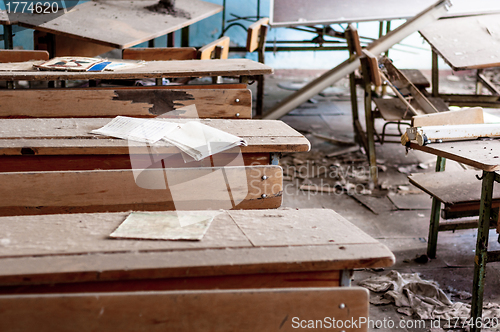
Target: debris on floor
x: 420, y: 298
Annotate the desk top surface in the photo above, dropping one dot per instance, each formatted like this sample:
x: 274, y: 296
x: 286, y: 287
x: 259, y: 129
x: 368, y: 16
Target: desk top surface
x: 67, y: 136
x: 238, y: 242
x: 484, y: 155
x: 151, y: 69
x: 471, y: 42
x: 309, y: 12
x: 117, y: 24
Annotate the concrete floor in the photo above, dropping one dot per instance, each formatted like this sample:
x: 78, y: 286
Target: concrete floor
x: 403, y: 231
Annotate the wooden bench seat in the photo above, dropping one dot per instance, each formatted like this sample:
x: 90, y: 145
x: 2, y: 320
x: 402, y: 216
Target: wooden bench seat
x: 155, y: 189
x: 265, y: 310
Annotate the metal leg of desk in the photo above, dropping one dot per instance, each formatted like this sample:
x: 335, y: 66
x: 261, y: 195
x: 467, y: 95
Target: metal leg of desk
x: 435, y: 75
x: 435, y: 216
x: 481, y: 257
x: 345, y: 278
x: 8, y: 40
x: 370, y: 128
x: 185, y: 37
x: 275, y: 158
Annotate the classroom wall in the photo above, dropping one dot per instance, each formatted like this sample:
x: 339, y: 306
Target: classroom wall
x: 413, y: 52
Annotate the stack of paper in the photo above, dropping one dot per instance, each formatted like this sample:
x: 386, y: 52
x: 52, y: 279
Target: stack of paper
x: 193, y: 138
x: 200, y: 141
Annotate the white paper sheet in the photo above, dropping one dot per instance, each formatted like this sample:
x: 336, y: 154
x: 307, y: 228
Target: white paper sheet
x: 141, y: 130
x: 164, y: 226
x: 200, y: 141
x: 195, y: 139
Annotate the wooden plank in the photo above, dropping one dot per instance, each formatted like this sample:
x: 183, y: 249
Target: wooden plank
x: 153, y: 69
x: 393, y: 109
x: 71, y: 136
x: 242, y: 281
x: 327, y: 12
x: 354, y: 36
x: 205, y: 52
x: 416, y: 78
x: 298, y: 228
x: 216, y: 310
x: 22, y: 55
x: 472, y: 115
x: 151, y: 190
x: 67, y: 46
x: 136, y: 102
x: 160, y: 53
x: 192, y: 263
x: 405, y: 87
x: 118, y: 24
x: 452, y: 187
x: 466, y: 42
x: 38, y: 163
x: 477, y: 153
x: 253, y: 34
x: 373, y: 66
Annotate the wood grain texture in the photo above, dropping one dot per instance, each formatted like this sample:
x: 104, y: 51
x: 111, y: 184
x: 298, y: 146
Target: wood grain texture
x: 453, y: 187
x: 76, y: 248
x: 149, y: 189
x: 72, y: 137
x: 159, y: 53
x: 117, y: 24
x: 206, y: 52
x: 217, y: 310
x: 242, y: 281
x: 373, y: 66
x: 484, y: 155
x: 152, y: 69
x: 22, y: 55
x: 472, y: 115
x: 135, y: 102
x: 37, y: 163
x: 253, y: 34
x: 67, y: 46
x: 466, y: 42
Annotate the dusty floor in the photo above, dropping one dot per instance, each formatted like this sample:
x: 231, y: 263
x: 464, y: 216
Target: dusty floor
x: 404, y: 230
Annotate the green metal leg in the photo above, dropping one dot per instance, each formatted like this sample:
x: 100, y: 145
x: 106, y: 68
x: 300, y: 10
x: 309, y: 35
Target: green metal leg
x: 481, y: 257
x: 435, y: 216
x: 435, y: 74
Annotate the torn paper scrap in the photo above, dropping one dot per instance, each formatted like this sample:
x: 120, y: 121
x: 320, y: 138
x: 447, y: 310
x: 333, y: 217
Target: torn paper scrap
x: 200, y: 141
x: 141, y: 130
x: 164, y: 226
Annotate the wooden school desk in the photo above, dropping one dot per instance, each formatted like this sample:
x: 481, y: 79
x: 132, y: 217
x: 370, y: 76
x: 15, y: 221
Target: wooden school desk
x: 466, y: 43
x: 484, y: 155
x: 96, y: 27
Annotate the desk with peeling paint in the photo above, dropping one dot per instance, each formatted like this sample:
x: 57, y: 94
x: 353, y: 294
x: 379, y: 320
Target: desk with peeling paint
x: 484, y: 155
